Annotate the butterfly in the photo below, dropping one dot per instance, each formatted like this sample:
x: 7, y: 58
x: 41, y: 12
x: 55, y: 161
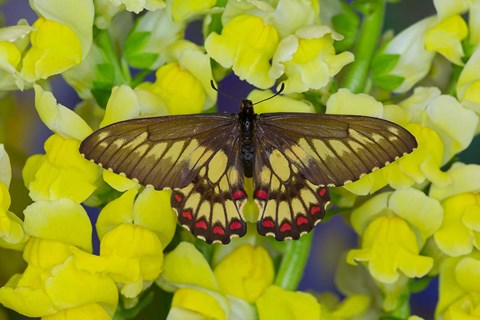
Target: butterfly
x: 205, y: 158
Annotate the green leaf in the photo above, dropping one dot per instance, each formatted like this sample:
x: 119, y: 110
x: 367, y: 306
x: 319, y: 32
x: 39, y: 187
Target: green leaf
x: 216, y: 19
x: 367, y: 7
x: 347, y: 24
x: 384, y: 63
x: 142, y: 60
x: 101, y: 94
x: 134, y: 46
x: 388, y: 82
x: 419, y: 284
x: 105, y: 73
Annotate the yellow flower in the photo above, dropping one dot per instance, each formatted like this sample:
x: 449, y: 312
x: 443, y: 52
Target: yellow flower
x: 55, y: 48
x: 61, y: 173
x: 151, y: 209
x: 184, y: 86
x: 245, y: 273
x: 185, y: 265
x: 126, y: 103
x: 220, y: 293
x: 75, y: 15
x: 445, y: 37
x: 459, y: 288
x: 460, y: 231
x: 59, y: 118
x: 11, y: 229
x: 446, y: 8
x: 393, y: 233
x: 454, y: 124
x: 191, y: 303
x: 139, y: 5
x: 468, y: 85
x: 246, y: 45
x: 183, y: 10
x: 442, y: 127
x: 60, y: 220
x: 13, y: 42
x: 53, y: 286
x: 414, y: 61
x: 277, y: 13
x: 308, y: 59
x: 353, y: 306
x: 278, y: 304
x: 133, y: 234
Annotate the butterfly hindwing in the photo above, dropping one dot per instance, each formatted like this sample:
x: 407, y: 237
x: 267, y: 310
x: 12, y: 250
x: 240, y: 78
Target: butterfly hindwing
x: 289, y: 205
x: 196, y: 155
x: 211, y: 205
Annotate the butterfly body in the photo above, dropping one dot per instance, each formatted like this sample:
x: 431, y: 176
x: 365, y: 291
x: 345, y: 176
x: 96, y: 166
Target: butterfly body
x: 247, y: 119
x: 291, y: 157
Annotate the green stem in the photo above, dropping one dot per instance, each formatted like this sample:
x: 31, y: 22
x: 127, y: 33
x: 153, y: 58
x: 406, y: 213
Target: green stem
x: 452, y: 86
x: 357, y: 72
x: 293, y: 262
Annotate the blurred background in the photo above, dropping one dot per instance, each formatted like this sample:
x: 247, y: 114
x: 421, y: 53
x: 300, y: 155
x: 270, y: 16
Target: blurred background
x: 23, y: 134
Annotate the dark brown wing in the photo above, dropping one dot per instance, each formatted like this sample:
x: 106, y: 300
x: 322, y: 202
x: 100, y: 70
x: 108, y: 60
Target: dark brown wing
x: 196, y: 155
x: 298, y: 155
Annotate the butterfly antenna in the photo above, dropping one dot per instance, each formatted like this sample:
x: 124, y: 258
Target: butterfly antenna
x: 282, y: 86
x: 212, y: 84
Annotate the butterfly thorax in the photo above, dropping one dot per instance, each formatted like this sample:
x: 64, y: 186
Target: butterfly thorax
x: 247, y: 118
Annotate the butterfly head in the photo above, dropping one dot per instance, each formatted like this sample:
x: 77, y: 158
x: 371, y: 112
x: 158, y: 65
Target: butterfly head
x: 246, y: 107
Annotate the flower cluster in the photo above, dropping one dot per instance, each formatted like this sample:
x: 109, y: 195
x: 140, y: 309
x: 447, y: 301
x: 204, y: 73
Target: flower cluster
x: 97, y: 245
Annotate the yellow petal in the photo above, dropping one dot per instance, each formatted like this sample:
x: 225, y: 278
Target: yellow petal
x: 55, y: 48
x: 5, y: 169
x: 152, y: 210
x: 58, y: 118
x: 62, y: 173
x: 116, y: 212
x: 60, y: 220
x: 122, y: 105
x: 77, y: 15
x: 199, y: 302
x: 446, y: 36
x: 245, y: 273
x: 69, y: 286
x: 246, y: 45
x: 185, y: 265
x: 279, y: 304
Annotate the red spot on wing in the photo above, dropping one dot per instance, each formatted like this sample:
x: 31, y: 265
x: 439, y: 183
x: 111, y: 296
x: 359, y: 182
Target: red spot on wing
x: 235, y: 225
x: 218, y: 230
x: 315, y: 209
x: 201, y: 225
x: 268, y: 224
x: 322, y: 192
x: 187, y: 215
x: 301, y: 220
x: 285, y: 227
x: 178, y: 197
x: 238, y: 194
x: 261, y: 194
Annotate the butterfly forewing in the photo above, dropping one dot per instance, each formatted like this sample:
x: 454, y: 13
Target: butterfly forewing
x: 331, y: 150
x: 298, y: 155
x: 195, y: 155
